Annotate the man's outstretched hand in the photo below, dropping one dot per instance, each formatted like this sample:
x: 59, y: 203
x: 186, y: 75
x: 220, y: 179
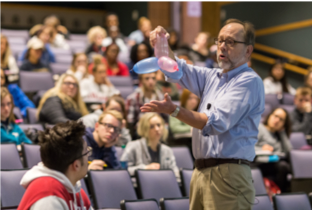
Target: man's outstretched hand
x: 165, y: 106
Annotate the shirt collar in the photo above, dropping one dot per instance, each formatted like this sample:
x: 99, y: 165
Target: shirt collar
x: 229, y: 75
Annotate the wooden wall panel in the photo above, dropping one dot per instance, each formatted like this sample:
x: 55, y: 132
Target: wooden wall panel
x: 191, y: 26
x: 159, y: 14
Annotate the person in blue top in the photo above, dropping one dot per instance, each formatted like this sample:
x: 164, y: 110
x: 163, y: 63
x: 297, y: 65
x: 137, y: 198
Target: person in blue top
x: 10, y: 131
x: 103, y: 139
x: 19, y: 98
x: 225, y: 126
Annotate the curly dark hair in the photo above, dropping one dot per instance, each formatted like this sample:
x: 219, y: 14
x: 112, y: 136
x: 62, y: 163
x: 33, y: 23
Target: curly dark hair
x: 134, y: 52
x: 61, y: 145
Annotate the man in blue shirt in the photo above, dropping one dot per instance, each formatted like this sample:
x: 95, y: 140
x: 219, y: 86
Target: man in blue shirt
x: 102, y: 140
x: 226, y: 124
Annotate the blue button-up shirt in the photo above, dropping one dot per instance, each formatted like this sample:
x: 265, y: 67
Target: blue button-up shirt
x: 233, y: 103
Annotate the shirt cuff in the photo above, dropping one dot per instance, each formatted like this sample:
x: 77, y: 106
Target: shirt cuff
x: 180, y: 63
x: 207, y: 128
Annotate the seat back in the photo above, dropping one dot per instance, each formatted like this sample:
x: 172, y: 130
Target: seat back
x: 288, y: 99
x: 291, y: 201
x: 64, y: 59
x: 84, y: 187
x: 157, y: 184
x: 118, y: 81
x: 174, y: 203
x: 125, y: 91
x: 109, y: 187
x: 32, y: 115
x: 17, y: 113
x: 59, y: 68
x: 144, y: 204
x: 297, y: 140
x: 258, y: 181
x: 31, y: 155
x: 186, y: 176
x: 301, y: 163
x: 11, y: 190
x: 267, y: 110
x: 183, y: 157
x: 35, y: 81
x: 10, y: 158
x: 24, y: 127
x: 262, y: 202
x: 272, y: 100
x: 288, y: 108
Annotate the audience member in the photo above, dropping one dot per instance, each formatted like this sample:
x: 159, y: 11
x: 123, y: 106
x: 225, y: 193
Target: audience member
x: 167, y: 87
x: 96, y: 35
x: 183, y: 54
x: 63, y: 102
x: 97, y: 87
x: 173, y: 40
x: 149, y: 152
x: 33, y: 55
x: 8, y: 62
x: 113, y: 103
x: 301, y: 117
x: 273, y: 136
x: 44, y: 34
x: 79, y: 66
x: 114, y: 36
x: 55, y: 182
x: 59, y: 32
x: 190, y: 101
x: 102, y: 140
x: 143, y: 32
x: 199, y: 51
x: 10, y: 131
x: 212, y: 61
x: 143, y: 94
x: 19, y: 98
x: 308, y: 78
x: 277, y: 83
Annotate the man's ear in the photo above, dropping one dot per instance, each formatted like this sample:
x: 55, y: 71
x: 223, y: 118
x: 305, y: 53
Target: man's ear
x: 75, y: 165
x: 249, y: 50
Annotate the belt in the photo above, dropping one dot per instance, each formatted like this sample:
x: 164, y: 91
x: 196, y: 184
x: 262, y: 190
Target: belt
x: 211, y: 162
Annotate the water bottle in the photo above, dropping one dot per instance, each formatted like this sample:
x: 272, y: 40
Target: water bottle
x: 124, y: 164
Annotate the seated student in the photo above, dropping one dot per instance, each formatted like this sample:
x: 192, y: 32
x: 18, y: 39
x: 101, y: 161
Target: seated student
x: 55, y: 182
x: 277, y: 83
x: 102, y: 140
x: 188, y: 101
x: 143, y: 94
x: 308, y: 78
x: 19, y: 98
x: 114, y: 35
x: 113, y: 103
x: 149, y: 152
x: 44, y: 34
x: 301, y: 117
x: 79, y: 66
x: 10, y: 131
x: 167, y: 87
x: 273, y: 136
x: 199, y: 51
x: 32, y: 60
x: 63, y: 102
x: 96, y: 35
x: 143, y: 32
x: 8, y: 61
x: 97, y: 87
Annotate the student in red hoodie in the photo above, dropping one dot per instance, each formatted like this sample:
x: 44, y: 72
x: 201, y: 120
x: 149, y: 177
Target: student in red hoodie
x: 55, y: 182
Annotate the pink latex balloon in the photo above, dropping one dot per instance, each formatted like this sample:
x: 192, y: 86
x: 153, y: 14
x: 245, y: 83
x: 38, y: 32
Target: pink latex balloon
x: 167, y: 64
x: 161, y: 46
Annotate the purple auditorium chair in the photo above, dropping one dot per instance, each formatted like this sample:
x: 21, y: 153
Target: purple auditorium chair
x: 11, y: 190
x: 9, y: 157
x: 64, y: 59
x: 262, y: 202
x: 78, y: 37
x: 124, y: 57
x: 119, y: 151
x: 16, y: 40
x: 35, y: 81
x: 17, y: 50
x: 267, y: 110
x: 301, y: 163
x: 31, y: 155
x: 59, y: 68
x: 174, y: 203
x: 144, y: 204
x: 17, y: 113
x: 15, y: 33
x: 258, y: 181
x: 157, y: 184
x: 186, y: 176
x: 37, y: 127
x: 84, y: 187
x: 32, y: 115
x: 298, y: 140
x: 125, y: 91
x: 76, y: 44
x: 118, y: 81
x: 288, y: 108
x: 60, y: 51
x: 109, y: 187
x: 272, y: 100
x: 291, y: 201
x: 183, y: 157
x: 288, y: 99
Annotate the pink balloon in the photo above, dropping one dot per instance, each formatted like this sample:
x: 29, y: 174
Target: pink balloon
x: 167, y: 64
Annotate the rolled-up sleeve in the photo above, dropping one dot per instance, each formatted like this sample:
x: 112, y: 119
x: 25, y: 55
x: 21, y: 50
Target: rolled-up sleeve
x: 234, y: 105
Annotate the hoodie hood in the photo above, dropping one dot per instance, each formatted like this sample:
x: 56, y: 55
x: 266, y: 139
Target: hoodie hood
x: 40, y: 171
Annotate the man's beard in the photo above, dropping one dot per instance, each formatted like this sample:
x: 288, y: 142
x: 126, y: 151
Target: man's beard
x: 226, y: 64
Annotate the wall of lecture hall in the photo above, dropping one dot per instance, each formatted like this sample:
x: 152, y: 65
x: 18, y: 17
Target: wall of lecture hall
x: 269, y: 14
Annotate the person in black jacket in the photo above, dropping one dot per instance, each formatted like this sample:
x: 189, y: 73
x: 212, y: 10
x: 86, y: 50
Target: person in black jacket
x: 301, y: 117
x: 102, y: 140
x: 63, y: 102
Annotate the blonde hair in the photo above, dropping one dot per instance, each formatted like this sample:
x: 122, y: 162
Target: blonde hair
x: 144, y: 125
x: 95, y: 30
x: 142, y: 20
x: 68, y: 102
x: 7, y: 53
x: 5, y: 92
x: 114, y: 113
x: 303, y: 91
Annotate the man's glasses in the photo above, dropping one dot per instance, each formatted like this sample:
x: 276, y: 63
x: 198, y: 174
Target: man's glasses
x: 109, y: 126
x: 89, y: 153
x: 228, y: 42
x: 71, y: 83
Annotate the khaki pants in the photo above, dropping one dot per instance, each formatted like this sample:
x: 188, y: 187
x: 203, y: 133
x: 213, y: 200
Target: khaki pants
x: 222, y: 187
